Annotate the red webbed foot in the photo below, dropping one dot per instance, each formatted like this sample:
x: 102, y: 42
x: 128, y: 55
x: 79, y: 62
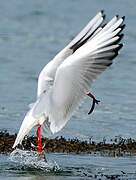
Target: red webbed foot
x: 95, y: 101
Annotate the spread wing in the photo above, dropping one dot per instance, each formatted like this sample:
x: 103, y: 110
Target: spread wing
x: 75, y: 75
x: 47, y: 75
x: 73, y: 78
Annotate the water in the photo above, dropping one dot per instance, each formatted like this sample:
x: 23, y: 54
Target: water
x: 31, y: 33
x: 25, y: 165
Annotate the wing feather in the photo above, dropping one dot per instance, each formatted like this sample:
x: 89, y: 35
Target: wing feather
x: 47, y: 75
x: 76, y: 74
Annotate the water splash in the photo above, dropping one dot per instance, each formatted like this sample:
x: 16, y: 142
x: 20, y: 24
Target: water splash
x: 32, y: 159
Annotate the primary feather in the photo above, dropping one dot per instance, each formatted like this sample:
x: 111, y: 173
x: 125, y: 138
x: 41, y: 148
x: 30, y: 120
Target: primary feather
x: 65, y: 81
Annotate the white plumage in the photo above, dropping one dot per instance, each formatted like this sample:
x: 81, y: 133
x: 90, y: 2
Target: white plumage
x: 64, y: 82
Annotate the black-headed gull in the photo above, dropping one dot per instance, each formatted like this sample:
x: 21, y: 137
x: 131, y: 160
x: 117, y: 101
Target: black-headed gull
x: 66, y: 80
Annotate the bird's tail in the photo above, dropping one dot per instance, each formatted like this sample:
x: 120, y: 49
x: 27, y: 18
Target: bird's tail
x: 28, y: 123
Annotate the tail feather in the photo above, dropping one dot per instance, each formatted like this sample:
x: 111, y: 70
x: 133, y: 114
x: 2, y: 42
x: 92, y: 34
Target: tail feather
x: 28, y: 123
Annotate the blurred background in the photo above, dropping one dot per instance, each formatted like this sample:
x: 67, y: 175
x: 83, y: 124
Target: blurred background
x: 32, y: 32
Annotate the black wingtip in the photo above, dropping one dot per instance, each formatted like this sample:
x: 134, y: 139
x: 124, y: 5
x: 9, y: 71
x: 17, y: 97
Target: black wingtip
x: 121, y: 36
x: 109, y: 64
x: 103, y: 25
x: 123, y: 18
x: 123, y: 26
x: 119, y: 39
x: 104, y: 16
x: 102, y: 11
x: 120, y: 46
x: 117, y: 50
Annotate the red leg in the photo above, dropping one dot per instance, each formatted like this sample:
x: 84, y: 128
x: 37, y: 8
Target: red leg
x: 94, y: 102
x: 39, y: 146
x: 91, y: 96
